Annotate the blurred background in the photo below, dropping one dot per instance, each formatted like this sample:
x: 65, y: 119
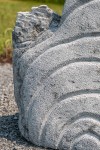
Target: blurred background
x: 8, y: 12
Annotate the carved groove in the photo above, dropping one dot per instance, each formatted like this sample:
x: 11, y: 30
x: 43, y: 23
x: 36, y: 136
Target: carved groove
x: 71, y: 39
x: 60, y: 102
x: 94, y: 138
x: 83, y: 116
x: 65, y: 41
x: 65, y: 64
x: 64, y: 98
x: 60, y: 66
x: 76, y: 6
x: 80, y: 92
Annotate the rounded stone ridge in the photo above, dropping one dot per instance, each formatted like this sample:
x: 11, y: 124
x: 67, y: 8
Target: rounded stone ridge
x: 56, y: 65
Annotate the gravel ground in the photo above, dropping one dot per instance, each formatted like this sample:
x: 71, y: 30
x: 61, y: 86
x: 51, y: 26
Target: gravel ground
x: 10, y: 138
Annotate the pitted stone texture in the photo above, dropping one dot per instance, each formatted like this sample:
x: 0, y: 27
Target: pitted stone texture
x: 30, y: 25
x: 57, y: 81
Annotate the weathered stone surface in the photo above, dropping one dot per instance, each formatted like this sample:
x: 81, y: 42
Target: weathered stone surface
x: 57, y: 76
x: 31, y: 27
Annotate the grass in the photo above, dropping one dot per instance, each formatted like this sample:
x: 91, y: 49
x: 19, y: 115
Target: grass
x: 8, y: 12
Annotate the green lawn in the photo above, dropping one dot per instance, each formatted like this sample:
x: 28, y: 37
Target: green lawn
x: 8, y: 12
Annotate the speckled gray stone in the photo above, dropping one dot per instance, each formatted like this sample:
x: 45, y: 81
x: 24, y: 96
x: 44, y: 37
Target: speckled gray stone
x: 57, y: 77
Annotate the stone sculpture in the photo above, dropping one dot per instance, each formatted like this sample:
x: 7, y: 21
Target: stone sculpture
x: 56, y: 64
